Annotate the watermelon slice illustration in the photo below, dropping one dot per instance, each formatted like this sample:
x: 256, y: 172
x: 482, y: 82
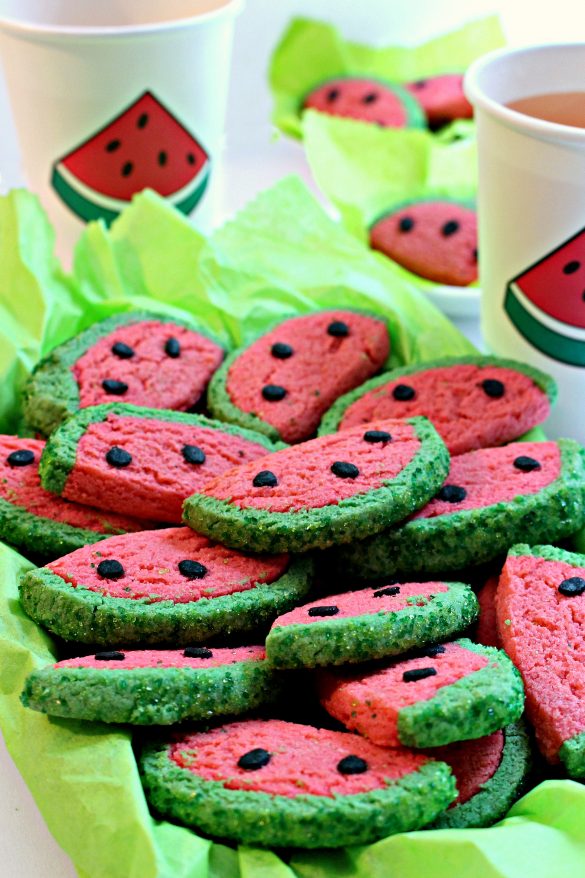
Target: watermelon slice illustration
x: 144, y: 146
x: 546, y: 302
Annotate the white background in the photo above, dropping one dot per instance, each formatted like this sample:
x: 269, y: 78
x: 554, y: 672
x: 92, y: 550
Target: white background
x: 254, y: 161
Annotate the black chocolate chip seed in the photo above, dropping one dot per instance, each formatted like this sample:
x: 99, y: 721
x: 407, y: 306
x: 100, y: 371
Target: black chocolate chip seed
x: 254, y: 759
x: 387, y: 592
x: 197, y: 652
x: 452, y: 493
x: 323, y: 611
x: 193, y: 454
x: 110, y: 569
x: 116, y: 388
x: 344, y: 470
x: 273, y: 392
x: 352, y: 765
x: 172, y: 348
x: 403, y: 393
x: 370, y: 98
x: 118, y: 457
x: 571, y: 267
x: 281, y: 351
x: 22, y: 457
x: 123, y: 351
x: 449, y: 228
x: 113, y: 145
x: 526, y: 464
x: 192, y: 569
x: 112, y: 656
x: 332, y: 94
x: 433, y: 651
x: 338, y: 329
x: 377, y: 436
x: 572, y: 587
x: 494, y: 388
x: 418, y: 674
x: 420, y: 83
x: 406, y: 224
x: 474, y: 254
x: 265, y: 479
x: 127, y: 169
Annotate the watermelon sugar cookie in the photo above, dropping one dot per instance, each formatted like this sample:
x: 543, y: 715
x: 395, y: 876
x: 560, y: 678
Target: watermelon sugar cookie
x: 169, y: 586
x: 433, y: 238
x: 154, y: 687
x: 139, y: 358
x: 284, y: 381
x: 441, y: 98
x: 38, y: 522
x: 147, y: 461
x: 274, y: 783
x: 491, y: 773
x: 371, y: 623
x: 325, y: 491
x: 449, y: 692
x: 541, y: 621
x: 367, y: 100
x: 486, y: 630
x: 492, y: 498
x: 474, y: 402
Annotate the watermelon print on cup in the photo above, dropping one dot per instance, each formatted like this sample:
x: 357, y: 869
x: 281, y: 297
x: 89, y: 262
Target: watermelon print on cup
x: 145, y: 146
x: 275, y: 783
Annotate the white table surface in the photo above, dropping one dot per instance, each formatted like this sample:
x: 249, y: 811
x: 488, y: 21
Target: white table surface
x: 253, y: 161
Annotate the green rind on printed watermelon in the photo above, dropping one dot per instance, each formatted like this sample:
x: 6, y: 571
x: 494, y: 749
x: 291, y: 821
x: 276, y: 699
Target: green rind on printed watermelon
x: 60, y: 452
x: 333, y: 417
x: 554, y: 344
x: 51, y: 394
x: 306, y: 821
x: 415, y: 115
x: 151, y: 696
x: 468, y: 538
x: 476, y: 705
x: 85, y: 616
x: 332, y: 641
x: 259, y: 530
x: 499, y: 793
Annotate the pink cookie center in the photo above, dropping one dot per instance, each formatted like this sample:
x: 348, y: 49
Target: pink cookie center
x: 166, y: 658
x: 472, y: 762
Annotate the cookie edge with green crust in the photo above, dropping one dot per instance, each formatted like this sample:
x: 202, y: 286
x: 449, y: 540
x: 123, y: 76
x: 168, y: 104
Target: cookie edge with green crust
x: 465, y: 539
x: 218, y: 399
x: 307, y: 821
x: 474, y: 706
x: 60, y: 452
x: 358, y: 516
x: 499, y: 793
x: 415, y: 115
x: 152, y: 695
x: 84, y: 616
x: 357, y: 639
x: 429, y: 198
x: 332, y: 418
x: 51, y: 394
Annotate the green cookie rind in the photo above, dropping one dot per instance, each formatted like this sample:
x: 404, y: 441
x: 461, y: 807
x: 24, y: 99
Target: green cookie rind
x: 150, y: 696
x: 258, y: 530
x: 305, y: 821
x: 415, y: 114
x: 549, y: 553
x: 78, y: 614
x: 219, y: 401
x: 476, y: 705
x: 332, y: 641
x: 59, y: 455
x: 572, y: 755
x: 468, y: 538
x: 332, y: 418
x: 51, y: 393
x: 500, y: 792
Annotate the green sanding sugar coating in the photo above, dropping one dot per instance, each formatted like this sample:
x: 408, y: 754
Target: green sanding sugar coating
x: 156, y: 687
x: 310, y: 505
x: 365, y: 625
x: 299, y: 794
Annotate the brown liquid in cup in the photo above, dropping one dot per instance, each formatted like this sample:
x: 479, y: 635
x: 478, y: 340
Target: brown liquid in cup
x: 564, y: 108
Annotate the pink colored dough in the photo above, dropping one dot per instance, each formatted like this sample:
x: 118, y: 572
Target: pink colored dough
x: 150, y: 560
x: 486, y: 631
x: 452, y: 397
x: 442, y: 98
x: 472, y: 762
x: 303, y: 759
x: 364, y: 99
x: 167, y: 658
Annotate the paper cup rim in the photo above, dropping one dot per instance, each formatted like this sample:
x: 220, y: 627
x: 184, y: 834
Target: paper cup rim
x: 32, y: 30
x: 512, y: 118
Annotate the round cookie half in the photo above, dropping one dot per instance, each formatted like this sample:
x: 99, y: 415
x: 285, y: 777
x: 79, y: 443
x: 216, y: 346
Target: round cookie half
x: 371, y: 623
x: 367, y: 100
x: 154, y: 687
x: 441, y: 98
x: 274, y: 784
x: 169, y: 586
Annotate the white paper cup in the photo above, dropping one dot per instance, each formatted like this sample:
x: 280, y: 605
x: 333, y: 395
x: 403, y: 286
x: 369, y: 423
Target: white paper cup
x: 532, y: 216
x: 159, y: 70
